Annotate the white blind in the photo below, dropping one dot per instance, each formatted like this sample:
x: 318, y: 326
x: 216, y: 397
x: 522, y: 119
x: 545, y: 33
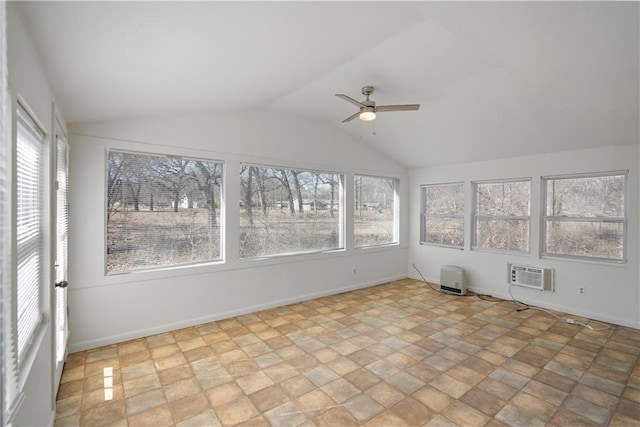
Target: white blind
x: 161, y: 211
x: 29, y: 228
x: 8, y: 385
x: 62, y: 257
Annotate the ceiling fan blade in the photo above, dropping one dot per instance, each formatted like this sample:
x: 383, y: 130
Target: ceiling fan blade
x: 351, y: 100
x: 351, y: 117
x: 405, y: 107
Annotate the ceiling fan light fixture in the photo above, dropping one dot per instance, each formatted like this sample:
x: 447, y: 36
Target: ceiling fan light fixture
x: 367, y: 115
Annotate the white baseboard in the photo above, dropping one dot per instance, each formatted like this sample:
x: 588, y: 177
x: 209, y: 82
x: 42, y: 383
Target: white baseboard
x: 131, y: 335
x: 573, y: 311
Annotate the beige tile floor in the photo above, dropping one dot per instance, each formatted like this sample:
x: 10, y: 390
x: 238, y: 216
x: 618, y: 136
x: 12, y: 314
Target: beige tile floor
x: 391, y: 355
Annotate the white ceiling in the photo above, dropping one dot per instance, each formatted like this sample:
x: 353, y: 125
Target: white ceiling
x: 494, y: 79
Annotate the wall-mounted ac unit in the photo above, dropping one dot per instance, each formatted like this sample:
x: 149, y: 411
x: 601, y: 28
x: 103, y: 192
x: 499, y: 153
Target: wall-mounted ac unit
x: 531, y: 277
x: 452, y: 280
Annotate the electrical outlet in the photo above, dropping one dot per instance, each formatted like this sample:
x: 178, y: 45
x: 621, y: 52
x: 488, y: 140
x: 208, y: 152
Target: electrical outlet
x: 582, y: 290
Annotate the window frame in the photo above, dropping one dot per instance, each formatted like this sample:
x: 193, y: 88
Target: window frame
x: 396, y: 211
x: 424, y: 215
x: 545, y: 218
x: 341, y: 212
x: 25, y: 354
x: 475, y: 216
x: 220, y: 260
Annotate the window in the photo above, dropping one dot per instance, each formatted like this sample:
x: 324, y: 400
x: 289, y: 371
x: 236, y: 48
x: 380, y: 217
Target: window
x: 288, y: 211
x: 29, y: 239
x: 161, y: 211
x: 585, y: 216
x: 501, y: 216
x: 443, y: 214
x: 375, y: 218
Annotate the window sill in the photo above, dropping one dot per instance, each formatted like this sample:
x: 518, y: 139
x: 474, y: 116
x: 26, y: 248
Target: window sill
x: 437, y: 245
x: 500, y: 251
x: 30, y: 357
x: 585, y: 260
x: 380, y: 246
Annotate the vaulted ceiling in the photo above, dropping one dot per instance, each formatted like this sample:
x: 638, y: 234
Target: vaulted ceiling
x: 494, y: 79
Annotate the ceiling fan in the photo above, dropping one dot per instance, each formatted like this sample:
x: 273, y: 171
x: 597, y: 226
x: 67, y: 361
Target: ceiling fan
x: 368, y: 108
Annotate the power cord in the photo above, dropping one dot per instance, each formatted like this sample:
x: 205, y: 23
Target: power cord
x: 425, y: 280
x: 484, y: 297
x: 569, y: 320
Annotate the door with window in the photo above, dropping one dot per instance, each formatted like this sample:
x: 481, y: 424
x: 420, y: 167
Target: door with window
x: 61, y: 251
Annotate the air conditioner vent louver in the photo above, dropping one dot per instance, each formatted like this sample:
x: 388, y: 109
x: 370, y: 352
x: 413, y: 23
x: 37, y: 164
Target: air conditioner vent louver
x: 531, y: 277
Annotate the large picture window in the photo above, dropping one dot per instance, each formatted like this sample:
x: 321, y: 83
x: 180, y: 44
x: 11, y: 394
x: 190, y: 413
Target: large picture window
x: 501, y: 215
x: 375, y: 218
x: 585, y: 216
x: 161, y: 211
x: 443, y: 214
x: 288, y: 211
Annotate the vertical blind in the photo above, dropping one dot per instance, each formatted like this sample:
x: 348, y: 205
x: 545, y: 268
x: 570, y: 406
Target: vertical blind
x: 62, y: 236
x: 29, y: 228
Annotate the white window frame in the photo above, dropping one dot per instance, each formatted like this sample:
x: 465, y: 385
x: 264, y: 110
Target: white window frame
x: 476, y: 217
x: 546, y: 219
x: 17, y: 362
x: 8, y: 384
x: 425, y: 215
x: 34, y: 123
x: 396, y: 210
x: 165, y: 267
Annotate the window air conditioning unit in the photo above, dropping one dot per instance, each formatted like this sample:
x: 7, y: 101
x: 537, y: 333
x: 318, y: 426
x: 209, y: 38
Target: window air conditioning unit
x: 531, y: 277
x: 452, y: 280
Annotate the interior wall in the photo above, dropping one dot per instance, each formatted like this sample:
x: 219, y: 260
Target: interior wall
x: 28, y: 82
x: 105, y: 309
x: 613, y: 290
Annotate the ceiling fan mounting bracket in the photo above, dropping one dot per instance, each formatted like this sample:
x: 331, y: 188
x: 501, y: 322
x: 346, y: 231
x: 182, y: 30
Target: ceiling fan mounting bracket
x: 367, y: 90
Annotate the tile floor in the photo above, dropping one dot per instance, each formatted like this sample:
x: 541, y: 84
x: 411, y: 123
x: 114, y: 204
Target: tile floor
x: 397, y: 354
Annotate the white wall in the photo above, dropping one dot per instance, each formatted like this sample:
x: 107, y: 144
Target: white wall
x: 613, y: 291
x: 27, y: 81
x: 110, y: 308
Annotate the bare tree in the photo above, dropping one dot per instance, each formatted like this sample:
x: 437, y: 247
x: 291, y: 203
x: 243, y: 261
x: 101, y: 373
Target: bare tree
x: 333, y: 181
x: 208, y: 177
x: 298, y: 189
x: 174, y: 170
x: 115, y: 169
x: 261, y: 179
x: 283, y: 178
x: 248, y: 193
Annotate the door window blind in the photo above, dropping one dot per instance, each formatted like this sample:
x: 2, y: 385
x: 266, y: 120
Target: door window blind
x: 29, y: 228
x: 62, y: 257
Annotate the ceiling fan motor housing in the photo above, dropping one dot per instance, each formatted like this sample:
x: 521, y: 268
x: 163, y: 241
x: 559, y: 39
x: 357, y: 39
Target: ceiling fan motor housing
x: 368, y: 104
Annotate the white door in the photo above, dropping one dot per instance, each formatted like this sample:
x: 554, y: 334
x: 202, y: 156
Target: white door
x: 61, y: 253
